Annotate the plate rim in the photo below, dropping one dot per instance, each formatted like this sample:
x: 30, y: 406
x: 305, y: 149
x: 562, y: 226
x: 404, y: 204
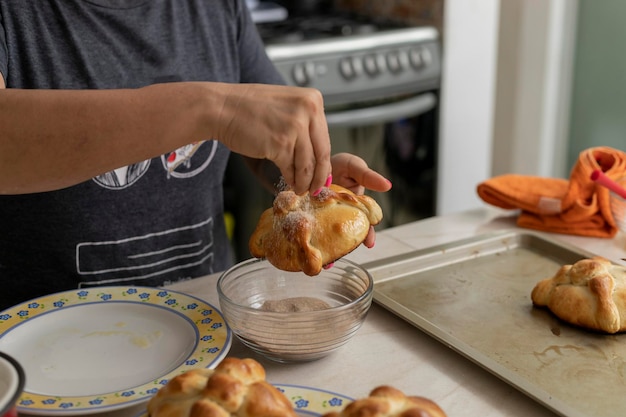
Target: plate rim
x: 205, y: 318
x: 303, y: 406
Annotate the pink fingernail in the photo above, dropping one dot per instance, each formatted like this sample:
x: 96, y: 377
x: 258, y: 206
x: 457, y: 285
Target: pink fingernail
x: 316, y: 193
x: 390, y: 184
x: 329, y: 180
x: 328, y: 266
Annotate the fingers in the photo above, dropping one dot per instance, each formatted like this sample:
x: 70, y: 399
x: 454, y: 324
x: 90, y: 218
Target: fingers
x: 286, y: 125
x: 370, y: 239
x: 301, y: 148
x: 320, y: 142
x: 353, y: 172
x: 312, y: 151
x: 303, y: 165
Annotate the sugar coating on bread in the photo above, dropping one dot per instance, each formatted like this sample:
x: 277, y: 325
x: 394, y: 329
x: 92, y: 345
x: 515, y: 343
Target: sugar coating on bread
x: 304, y: 233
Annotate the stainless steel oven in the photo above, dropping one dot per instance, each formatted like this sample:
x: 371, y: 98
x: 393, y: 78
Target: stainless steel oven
x: 380, y: 81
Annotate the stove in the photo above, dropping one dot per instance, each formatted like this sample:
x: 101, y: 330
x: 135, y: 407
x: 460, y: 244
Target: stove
x: 380, y: 81
x: 354, y: 60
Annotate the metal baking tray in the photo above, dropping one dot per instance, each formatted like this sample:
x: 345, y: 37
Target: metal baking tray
x: 474, y: 296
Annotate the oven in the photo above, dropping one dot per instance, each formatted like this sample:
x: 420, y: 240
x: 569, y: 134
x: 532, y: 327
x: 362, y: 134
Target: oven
x: 380, y: 81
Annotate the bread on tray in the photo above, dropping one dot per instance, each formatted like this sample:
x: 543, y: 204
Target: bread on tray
x: 591, y: 294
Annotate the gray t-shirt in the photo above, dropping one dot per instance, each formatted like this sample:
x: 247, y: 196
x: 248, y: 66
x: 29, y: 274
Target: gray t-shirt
x: 140, y: 224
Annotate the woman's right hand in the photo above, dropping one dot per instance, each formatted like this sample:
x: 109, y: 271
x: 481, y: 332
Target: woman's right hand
x: 284, y: 124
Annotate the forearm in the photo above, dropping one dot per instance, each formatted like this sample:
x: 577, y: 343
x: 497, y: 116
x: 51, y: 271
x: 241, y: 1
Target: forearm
x: 51, y: 139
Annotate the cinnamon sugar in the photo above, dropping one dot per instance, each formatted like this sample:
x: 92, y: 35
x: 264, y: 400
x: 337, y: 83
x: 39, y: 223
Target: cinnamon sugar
x: 295, y: 304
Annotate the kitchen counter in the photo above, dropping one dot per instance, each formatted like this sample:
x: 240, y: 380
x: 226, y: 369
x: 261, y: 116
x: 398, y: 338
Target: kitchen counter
x: 387, y: 350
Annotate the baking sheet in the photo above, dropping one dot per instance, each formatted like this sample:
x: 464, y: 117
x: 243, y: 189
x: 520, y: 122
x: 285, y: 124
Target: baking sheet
x: 474, y: 296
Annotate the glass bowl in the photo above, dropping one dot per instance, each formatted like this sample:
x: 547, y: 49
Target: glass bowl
x: 12, y: 381
x: 290, y: 316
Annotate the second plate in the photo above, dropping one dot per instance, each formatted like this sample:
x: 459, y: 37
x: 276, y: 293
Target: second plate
x: 100, y: 349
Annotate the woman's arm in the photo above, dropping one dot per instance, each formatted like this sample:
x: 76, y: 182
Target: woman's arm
x: 51, y: 139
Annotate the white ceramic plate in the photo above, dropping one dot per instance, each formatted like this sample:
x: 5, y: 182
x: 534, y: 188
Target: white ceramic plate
x: 307, y: 401
x: 100, y: 349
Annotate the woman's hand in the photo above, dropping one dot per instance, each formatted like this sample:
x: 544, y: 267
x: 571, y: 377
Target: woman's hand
x: 352, y: 172
x: 285, y: 125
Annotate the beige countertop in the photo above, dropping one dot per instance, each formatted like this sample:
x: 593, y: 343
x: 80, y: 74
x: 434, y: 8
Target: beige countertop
x: 388, y: 350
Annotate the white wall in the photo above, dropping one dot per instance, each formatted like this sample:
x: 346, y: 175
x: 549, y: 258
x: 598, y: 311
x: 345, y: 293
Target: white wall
x: 535, y: 62
x: 467, y: 101
x: 505, y: 93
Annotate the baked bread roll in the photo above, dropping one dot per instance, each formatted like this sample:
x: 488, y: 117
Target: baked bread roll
x: 236, y: 387
x: 591, y: 294
x: 304, y: 233
x: 386, y: 401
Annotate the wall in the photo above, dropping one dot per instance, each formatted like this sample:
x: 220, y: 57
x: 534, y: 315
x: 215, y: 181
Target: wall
x: 469, y: 35
x: 535, y: 54
x: 598, y: 111
x: 467, y: 102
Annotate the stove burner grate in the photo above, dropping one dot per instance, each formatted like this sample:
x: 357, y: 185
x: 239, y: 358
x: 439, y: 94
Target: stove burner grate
x: 301, y: 28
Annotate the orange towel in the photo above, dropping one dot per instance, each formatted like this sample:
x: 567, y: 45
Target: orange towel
x: 577, y: 207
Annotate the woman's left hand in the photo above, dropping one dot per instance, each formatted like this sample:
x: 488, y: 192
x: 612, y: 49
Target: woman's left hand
x: 353, y: 173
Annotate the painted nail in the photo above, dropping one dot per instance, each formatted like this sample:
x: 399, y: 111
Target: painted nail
x: 328, y: 266
x: 329, y: 180
x: 316, y: 193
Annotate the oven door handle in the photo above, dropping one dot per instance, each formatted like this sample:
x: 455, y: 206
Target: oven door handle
x: 384, y: 113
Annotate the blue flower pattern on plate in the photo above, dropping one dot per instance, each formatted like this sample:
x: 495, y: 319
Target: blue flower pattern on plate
x: 302, y: 403
x: 312, y: 400
x: 77, y: 404
x: 335, y: 402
